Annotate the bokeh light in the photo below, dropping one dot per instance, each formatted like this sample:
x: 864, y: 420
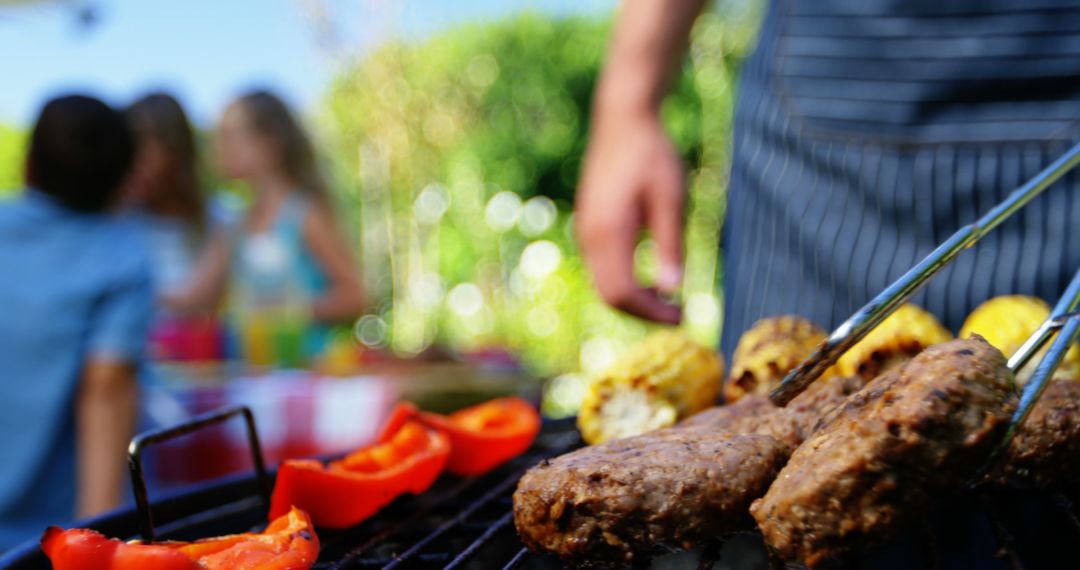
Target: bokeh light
x: 465, y: 299
x: 543, y: 321
x: 540, y: 259
x: 502, y: 211
x: 427, y: 290
x: 371, y: 331
x: 432, y: 203
x: 598, y: 354
x: 537, y: 215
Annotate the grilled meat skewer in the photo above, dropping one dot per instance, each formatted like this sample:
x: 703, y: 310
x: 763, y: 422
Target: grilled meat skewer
x: 1046, y: 449
x: 753, y: 414
x: 614, y: 502
x: 679, y: 486
x: 882, y: 459
x: 789, y: 425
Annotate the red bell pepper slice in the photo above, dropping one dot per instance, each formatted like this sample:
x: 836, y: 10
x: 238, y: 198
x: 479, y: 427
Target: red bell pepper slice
x: 288, y: 543
x: 344, y: 493
x: 402, y: 412
x: 486, y: 435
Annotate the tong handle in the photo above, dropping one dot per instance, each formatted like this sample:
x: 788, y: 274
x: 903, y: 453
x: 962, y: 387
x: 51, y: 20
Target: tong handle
x: 140, y: 442
x: 1066, y: 322
x: 1035, y: 387
x: 1068, y: 303
x: 862, y: 322
x: 1032, y: 391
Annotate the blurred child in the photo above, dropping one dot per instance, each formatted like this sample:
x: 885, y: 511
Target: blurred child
x: 292, y: 270
x: 77, y: 298
x: 165, y: 189
x: 164, y: 186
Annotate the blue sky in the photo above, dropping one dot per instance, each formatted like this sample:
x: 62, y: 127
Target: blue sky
x: 205, y: 51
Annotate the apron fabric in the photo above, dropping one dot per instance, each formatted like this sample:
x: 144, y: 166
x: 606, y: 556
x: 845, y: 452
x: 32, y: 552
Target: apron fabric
x: 868, y: 131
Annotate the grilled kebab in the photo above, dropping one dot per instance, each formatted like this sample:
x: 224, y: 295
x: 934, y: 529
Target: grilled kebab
x: 909, y: 437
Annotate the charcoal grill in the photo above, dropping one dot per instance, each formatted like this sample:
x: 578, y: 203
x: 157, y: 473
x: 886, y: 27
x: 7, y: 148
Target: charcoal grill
x: 466, y: 523
x: 461, y: 522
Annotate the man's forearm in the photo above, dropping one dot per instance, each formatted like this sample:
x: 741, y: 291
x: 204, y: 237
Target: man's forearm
x: 649, y: 41
x: 106, y: 409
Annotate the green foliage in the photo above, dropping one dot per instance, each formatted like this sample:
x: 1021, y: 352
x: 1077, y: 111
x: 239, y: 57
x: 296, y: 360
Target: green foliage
x: 12, y: 158
x: 460, y: 156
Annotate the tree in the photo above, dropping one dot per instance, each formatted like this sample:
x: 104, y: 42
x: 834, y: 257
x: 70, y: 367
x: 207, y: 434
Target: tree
x: 12, y: 159
x: 460, y: 156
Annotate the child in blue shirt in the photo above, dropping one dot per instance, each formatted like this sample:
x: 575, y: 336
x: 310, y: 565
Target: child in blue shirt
x: 76, y: 301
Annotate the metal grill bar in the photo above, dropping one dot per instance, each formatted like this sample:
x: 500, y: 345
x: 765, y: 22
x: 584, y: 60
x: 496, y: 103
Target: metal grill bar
x: 1069, y: 507
x: 1005, y: 539
x: 518, y: 559
x: 418, y: 515
x: 495, y: 527
x: 491, y: 495
x: 557, y: 437
x: 198, y: 520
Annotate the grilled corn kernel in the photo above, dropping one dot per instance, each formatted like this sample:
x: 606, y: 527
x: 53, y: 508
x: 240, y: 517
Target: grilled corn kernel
x: 767, y: 352
x: 1007, y: 321
x: 666, y: 378
x: 898, y: 338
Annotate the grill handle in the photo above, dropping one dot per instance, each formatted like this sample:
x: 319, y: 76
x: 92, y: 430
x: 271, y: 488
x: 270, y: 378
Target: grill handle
x: 140, y: 442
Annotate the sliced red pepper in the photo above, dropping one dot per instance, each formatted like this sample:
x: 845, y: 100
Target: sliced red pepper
x: 346, y: 492
x: 288, y: 543
x: 83, y: 549
x: 486, y: 435
x: 402, y: 412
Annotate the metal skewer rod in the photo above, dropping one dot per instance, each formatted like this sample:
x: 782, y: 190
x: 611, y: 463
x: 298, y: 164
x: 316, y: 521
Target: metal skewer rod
x: 1035, y: 342
x: 1068, y: 303
x: 1035, y: 387
x: 1064, y: 317
x: 1063, y: 321
x: 881, y: 306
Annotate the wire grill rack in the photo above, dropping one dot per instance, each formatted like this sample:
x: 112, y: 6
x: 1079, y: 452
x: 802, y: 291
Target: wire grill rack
x: 467, y: 523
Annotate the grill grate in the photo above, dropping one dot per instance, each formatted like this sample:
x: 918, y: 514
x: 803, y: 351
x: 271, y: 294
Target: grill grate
x: 466, y: 523
x: 459, y: 523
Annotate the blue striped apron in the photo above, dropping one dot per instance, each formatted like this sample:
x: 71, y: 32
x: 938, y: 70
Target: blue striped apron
x: 867, y: 131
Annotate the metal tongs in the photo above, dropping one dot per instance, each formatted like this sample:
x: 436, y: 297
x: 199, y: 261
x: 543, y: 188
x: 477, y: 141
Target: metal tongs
x: 868, y: 317
x: 1063, y: 320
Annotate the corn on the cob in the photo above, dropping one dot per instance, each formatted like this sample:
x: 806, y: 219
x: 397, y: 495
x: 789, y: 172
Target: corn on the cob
x: 898, y: 338
x: 664, y: 379
x: 767, y: 352
x: 1007, y: 321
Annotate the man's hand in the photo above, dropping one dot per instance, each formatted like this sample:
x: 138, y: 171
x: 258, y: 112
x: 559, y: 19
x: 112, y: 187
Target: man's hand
x: 632, y: 178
